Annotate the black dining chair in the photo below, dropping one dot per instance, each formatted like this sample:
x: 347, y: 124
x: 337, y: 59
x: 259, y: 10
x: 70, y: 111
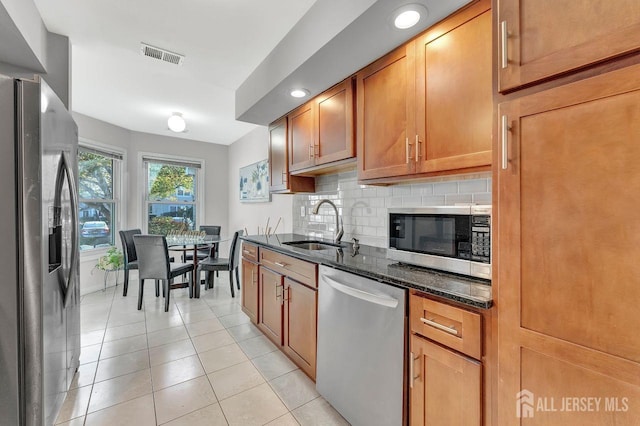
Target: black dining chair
x: 130, y: 256
x: 215, y: 264
x: 204, y: 253
x: 153, y: 263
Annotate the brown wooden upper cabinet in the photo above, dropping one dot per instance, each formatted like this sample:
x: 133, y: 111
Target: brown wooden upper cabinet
x: 321, y: 131
x: 279, y: 179
x: 560, y: 36
x: 426, y: 108
x: 386, y: 115
x: 454, y: 93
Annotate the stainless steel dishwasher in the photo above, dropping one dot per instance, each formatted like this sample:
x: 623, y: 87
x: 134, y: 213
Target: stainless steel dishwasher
x: 361, y: 347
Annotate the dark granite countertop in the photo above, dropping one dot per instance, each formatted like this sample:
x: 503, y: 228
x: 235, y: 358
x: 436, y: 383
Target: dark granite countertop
x: 372, y: 262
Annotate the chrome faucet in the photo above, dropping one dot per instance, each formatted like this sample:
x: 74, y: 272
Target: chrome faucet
x: 339, y: 230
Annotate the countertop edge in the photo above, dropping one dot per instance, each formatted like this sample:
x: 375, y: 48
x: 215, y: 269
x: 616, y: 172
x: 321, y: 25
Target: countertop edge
x: 455, y: 297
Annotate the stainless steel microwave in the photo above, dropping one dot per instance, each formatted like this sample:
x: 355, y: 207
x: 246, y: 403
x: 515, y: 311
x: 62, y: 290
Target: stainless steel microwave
x: 450, y: 238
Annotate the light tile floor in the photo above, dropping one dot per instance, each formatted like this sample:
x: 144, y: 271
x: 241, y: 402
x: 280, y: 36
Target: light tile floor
x: 201, y: 363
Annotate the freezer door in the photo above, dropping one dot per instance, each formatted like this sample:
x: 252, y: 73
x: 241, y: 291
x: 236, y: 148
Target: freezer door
x: 59, y: 229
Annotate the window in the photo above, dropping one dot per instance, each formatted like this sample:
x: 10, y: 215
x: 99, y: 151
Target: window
x: 171, y: 197
x: 98, y: 189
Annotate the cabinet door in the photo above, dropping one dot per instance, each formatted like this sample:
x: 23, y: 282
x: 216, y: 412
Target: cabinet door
x: 301, y: 137
x: 386, y: 115
x: 250, y: 290
x: 270, y: 309
x: 300, y: 327
x: 543, y: 38
x: 445, y: 388
x: 568, y: 245
x: 455, y: 93
x: 278, y: 167
x: 335, y: 132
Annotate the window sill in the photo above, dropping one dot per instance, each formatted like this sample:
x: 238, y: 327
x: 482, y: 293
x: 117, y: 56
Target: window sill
x: 93, y: 254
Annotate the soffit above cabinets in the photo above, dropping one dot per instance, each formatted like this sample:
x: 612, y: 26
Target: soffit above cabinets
x: 329, y: 43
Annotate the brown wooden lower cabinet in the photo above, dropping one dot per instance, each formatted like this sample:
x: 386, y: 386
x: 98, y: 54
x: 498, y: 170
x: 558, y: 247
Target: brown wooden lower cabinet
x: 284, y: 309
x: 270, y: 304
x: 446, y: 386
x: 300, y: 325
x: 250, y: 290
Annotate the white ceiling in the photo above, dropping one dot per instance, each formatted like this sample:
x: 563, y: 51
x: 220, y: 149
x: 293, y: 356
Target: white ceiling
x: 223, y: 41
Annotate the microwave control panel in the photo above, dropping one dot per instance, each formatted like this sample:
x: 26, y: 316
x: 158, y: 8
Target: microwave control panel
x: 481, y: 238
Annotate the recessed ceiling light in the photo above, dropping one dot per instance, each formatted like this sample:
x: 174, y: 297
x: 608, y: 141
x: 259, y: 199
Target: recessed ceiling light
x: 299, y: 93
x: 408, y: 16
x: 406, y: 19
x: 176, y: 123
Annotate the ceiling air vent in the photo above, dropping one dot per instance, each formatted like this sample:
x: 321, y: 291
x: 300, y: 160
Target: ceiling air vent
x: 161, y: 54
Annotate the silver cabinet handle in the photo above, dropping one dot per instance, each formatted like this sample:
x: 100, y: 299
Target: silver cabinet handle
x: 311, y: 151
x: 406, y: 148
x: 411, y: 378
x: 412, y: 374
x: 505, y: 140
x: 246, y: 251
x: 418, y: 142
x: 280, y: 264
x: 504, y: 59
x: 450, y: 330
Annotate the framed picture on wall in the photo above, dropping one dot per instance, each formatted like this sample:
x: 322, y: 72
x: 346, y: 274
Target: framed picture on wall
x: 254, y: 183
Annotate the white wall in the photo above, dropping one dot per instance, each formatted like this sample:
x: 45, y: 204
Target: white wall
x: 216, y: 174
x: 249, y: 149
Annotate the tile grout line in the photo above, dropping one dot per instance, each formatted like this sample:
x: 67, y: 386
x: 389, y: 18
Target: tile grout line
x: 86, y: 411
x: 153, y: 394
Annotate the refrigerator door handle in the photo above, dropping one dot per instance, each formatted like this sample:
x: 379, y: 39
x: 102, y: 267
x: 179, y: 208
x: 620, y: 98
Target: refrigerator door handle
x: 64, y: 171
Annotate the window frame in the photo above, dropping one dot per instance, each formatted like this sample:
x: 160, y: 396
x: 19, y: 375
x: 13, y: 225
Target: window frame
x: 119, y: 199
x: 143, y: 187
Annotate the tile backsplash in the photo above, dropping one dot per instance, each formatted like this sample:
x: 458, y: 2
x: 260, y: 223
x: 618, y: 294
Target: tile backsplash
x: 363, y: 208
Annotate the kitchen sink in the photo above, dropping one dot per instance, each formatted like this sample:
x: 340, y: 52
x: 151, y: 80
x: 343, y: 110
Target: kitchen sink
x: 314, y: 245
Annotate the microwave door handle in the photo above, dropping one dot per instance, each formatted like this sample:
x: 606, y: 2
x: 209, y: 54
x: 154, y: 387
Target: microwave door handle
x: 389, y: 302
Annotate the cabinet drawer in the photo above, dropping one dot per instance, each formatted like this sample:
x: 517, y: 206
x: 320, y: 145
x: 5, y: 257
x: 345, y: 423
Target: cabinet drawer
x: 250, y: 252
x: 302, y: 271
x: 453, y: 327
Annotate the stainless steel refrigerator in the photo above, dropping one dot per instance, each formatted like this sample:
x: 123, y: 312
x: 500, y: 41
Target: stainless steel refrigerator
x: 39, y: 292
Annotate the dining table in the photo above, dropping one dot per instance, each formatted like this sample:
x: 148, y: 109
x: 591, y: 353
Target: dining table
x: 186, y: 243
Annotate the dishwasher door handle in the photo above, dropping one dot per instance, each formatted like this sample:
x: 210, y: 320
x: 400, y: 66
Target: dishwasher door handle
x: 389, y: 302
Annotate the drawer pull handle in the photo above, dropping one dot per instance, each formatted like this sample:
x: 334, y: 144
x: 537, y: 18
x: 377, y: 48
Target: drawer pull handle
x: 450, y: 330
x: 246, y: 251
x: 280, y: 264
